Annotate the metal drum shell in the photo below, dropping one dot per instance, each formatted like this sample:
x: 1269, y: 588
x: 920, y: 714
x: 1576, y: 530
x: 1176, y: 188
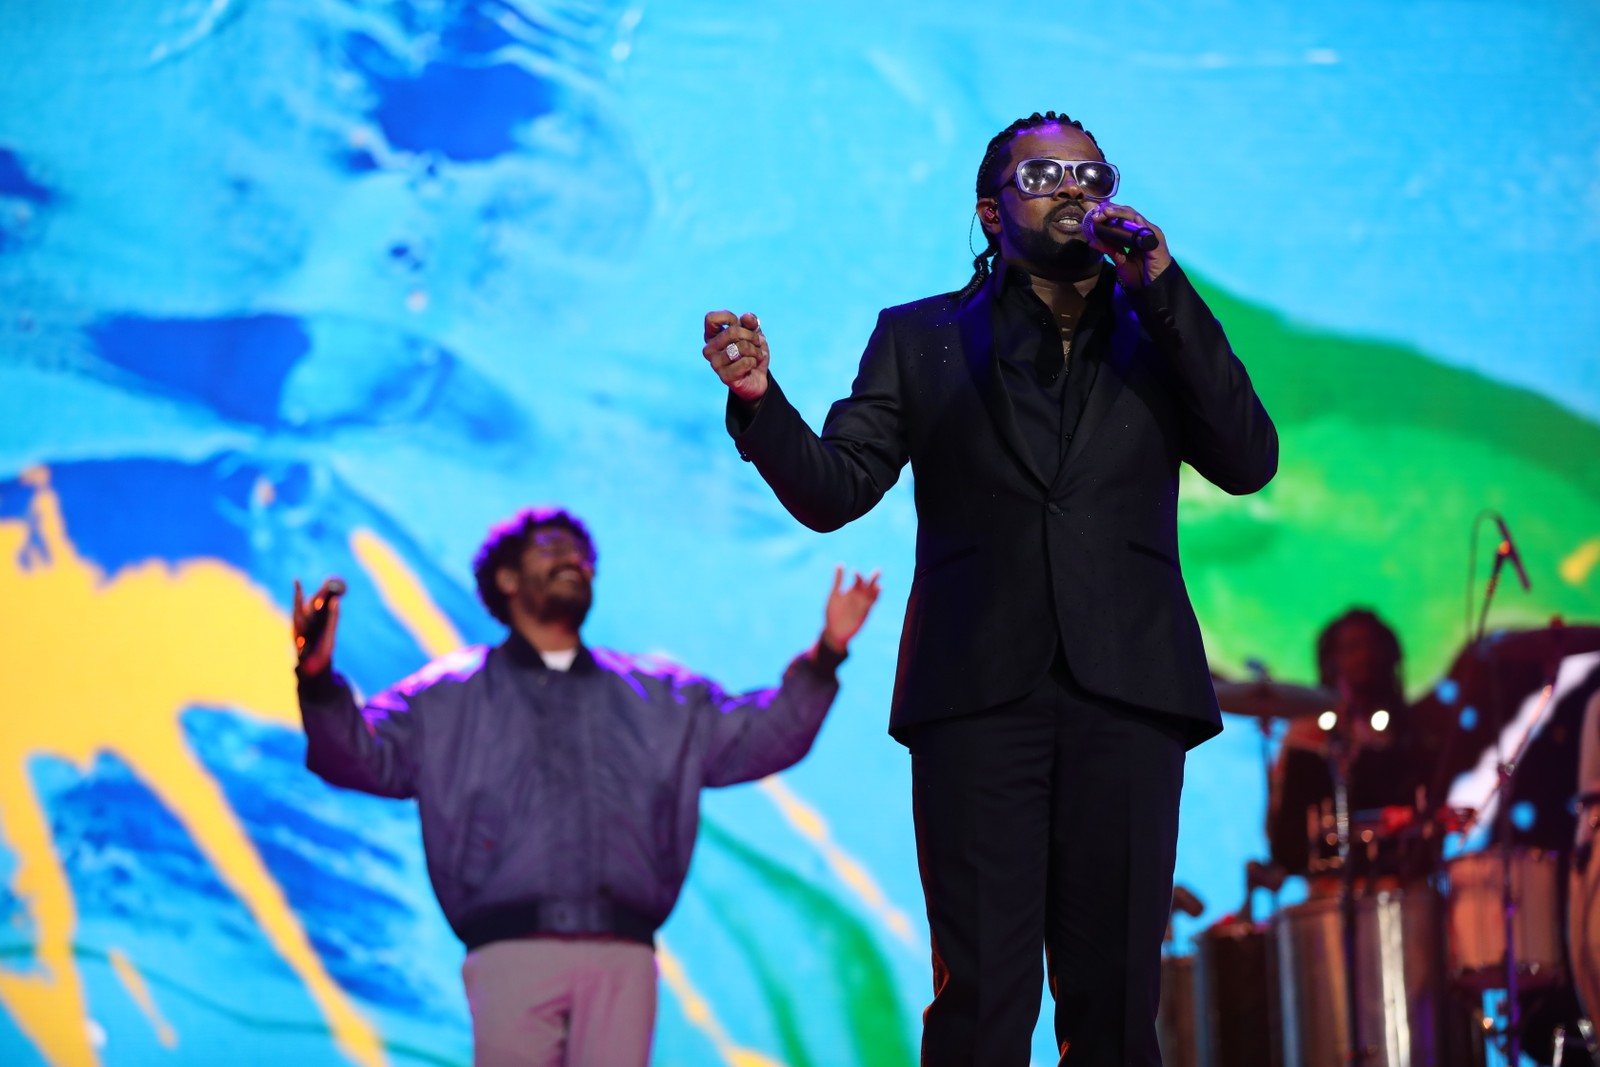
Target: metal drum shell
x: 1398, y: 985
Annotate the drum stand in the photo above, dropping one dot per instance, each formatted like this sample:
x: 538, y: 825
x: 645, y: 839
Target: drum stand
x: 1508, y: 904
x: 1340, y: 759
x: 1502, y: 795
x: 1501, y: 798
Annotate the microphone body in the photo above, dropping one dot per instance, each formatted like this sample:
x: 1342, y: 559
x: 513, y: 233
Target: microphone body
x: 1128, y: 236
x: 1509, y: 550
x: 317, y: 620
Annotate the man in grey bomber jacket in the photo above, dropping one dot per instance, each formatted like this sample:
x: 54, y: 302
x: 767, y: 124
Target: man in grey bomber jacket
x: 558, y: 788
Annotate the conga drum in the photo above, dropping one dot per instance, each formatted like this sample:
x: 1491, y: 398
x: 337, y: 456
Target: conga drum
x: 1478, y: 919
x: 1175, y: 1018
x: 1583, y: 898
x: 1236, y: 996
x: 1401, y: 1020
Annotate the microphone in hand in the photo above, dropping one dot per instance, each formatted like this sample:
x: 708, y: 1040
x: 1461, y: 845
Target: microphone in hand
x: 1123, y: 234
x: 316, y: 617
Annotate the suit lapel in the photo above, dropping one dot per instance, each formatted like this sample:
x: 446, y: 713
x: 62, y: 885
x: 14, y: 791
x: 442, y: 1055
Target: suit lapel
x: 1109, y: 378
x: 976, y: 323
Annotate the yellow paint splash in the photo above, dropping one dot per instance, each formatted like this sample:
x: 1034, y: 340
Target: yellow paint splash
x: 1576, y: 567
x: 162, y: 638
x: 698, y: 1011
x: 134, y: 983
x: 809, y: 824
x: 168, y: 637
x: 404, y: 595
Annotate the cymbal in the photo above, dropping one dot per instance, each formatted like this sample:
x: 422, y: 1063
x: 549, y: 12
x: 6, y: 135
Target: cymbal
x: 1546, y: 644
x: 1273, y: 700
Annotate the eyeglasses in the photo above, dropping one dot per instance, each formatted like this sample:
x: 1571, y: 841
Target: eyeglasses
x: 552, y: 544
x: 1042, y: 177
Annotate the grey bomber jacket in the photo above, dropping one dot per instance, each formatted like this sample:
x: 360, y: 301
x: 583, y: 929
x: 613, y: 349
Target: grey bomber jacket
x: 559, y: 802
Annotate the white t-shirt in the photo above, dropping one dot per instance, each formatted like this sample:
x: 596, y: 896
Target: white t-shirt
x: 559, y: 661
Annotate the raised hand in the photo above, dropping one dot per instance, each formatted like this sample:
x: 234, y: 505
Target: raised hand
x: 848, y: 608
x: 1134, y: 269
x: 316, y: 649
x: 737, y: 351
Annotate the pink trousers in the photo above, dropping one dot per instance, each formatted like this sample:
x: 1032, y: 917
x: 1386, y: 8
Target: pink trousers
x: 556, y: 1002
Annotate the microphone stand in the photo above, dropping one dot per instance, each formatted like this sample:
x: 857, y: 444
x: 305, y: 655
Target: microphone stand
x: 1504, y: 769
x: 1340, y: 761
x: 1500, y: 555
x: 1501, y: 797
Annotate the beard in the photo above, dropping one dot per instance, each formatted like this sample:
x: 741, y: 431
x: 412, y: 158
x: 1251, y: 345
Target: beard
x: 554, y: 601
x: 1051, y: 253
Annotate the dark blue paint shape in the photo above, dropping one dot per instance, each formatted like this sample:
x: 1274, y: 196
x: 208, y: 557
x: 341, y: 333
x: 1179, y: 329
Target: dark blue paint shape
x: 463, y: 110
x: 265, y: 795
x: 129, y: 511
x: 358, y: 161
x: 352, y: 924
x: 106, y: 819
x: 236, y: 366
x: 474, y: 32
x: 15, y: 496
x: 14, y: 181
x: 122, y: 512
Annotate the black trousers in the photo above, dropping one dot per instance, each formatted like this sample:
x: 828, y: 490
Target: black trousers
x: 1048, y: 822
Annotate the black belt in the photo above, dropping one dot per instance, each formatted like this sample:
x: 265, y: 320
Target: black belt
x: 559, y: 916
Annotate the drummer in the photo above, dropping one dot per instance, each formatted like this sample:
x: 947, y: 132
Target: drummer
x: 1358, y: 657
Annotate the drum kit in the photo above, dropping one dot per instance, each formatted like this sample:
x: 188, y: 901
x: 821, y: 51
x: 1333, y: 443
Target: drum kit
x: 1390, y: 964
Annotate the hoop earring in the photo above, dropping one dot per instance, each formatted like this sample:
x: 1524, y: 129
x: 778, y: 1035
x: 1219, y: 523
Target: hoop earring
x: 970, y: 223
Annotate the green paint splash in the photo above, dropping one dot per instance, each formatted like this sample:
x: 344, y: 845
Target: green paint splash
x: 858, y: 974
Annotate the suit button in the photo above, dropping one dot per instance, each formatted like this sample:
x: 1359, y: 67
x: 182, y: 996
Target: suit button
x: 1053, y: 509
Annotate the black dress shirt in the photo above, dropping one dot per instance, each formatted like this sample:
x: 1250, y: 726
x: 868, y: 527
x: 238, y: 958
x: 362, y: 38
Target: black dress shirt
x: 1048, y: 387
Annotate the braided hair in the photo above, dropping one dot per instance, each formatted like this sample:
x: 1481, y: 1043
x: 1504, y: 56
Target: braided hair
x: 1388, y: 648
x: 993, y: 162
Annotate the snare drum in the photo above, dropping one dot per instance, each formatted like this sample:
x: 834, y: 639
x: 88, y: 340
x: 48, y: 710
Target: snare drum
x: 1478, y: 924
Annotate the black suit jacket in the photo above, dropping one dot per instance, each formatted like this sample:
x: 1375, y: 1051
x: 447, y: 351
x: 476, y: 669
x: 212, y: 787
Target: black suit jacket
x: 1010, y: 565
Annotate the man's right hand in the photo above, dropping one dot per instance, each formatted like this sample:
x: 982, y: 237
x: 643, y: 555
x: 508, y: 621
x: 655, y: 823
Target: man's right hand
x: 745, y: 374
x: 318, y: 657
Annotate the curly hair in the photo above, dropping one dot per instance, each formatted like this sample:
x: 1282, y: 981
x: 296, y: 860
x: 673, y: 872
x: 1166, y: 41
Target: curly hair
x: 986, y: 185
x: 505, y: 544
x: 1388, y: 645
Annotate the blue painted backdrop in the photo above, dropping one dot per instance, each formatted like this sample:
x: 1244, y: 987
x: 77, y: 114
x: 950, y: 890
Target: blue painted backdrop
x: 294, y: 288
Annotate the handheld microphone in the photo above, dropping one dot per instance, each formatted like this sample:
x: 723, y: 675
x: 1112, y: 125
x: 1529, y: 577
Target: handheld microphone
x: 1128, y: 236
x: 1508, y: 549
x: 317, y: 618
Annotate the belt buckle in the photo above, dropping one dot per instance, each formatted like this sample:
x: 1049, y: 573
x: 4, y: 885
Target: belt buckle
x: 573, y: 916
x: 559, y: 917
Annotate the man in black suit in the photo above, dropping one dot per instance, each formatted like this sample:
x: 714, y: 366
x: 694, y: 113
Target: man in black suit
x: 1051, y: 671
